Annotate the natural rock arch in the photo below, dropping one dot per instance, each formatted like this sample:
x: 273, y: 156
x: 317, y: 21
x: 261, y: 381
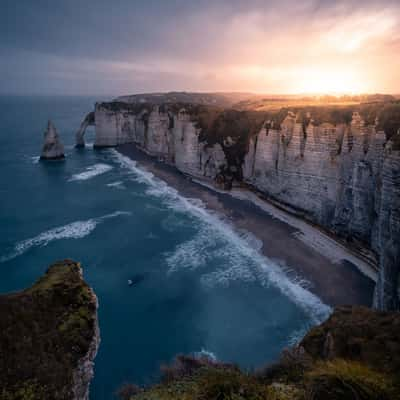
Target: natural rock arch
x: 79, y: 136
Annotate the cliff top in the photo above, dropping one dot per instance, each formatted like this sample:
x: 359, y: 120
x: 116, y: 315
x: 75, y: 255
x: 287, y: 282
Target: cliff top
x: 385, y: 111
x: 44, y: 331
x: 355, y: 354
x: 255, y: 102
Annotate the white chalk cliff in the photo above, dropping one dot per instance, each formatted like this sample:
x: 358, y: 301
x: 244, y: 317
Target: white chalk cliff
x: 343, y: 177
x: 52, y: 149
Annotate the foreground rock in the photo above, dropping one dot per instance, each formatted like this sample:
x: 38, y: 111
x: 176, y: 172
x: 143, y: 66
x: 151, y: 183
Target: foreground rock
x: 49, y: 337
x: 354, y: 355
x: 53, y: 149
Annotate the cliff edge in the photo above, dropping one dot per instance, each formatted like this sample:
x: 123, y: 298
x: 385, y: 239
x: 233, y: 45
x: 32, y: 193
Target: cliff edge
x: 49, y: 337
x: 354, y: 355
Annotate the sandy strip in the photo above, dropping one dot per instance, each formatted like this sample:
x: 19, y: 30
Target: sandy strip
x: 307, y: 233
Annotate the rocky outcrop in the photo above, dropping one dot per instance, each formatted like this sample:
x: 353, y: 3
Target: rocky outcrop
x: 52, y: 149
x: 357, y: 334
x: 49, y: 337
x: 337, y: 171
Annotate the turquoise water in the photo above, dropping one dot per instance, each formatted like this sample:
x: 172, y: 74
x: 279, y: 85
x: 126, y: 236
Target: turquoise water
x: 206, y: 287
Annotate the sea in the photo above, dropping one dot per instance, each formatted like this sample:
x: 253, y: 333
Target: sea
x: 200, y: 286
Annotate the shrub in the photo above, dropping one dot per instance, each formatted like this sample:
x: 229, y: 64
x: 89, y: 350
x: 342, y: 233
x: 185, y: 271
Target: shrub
x: 290, y: 368
x: 184, y: 366
x: 128, y: 390
x: 227, y: 384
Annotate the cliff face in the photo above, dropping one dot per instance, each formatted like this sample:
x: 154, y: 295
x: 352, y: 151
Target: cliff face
x: 343, y: 176
x: 327, y: 173
x: 171, y: 135
x: 49, y: 337
x: 53, y: 149
x: 388, y: 234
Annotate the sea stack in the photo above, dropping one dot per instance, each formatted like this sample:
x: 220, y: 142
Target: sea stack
x: 53, y: 149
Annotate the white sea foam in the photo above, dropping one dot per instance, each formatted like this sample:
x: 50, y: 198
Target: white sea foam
x: 91, y: 172
x: 74, y: 230
x: 243, y: 260
x: 116, y: 185
x: 35, y: 159
x: 298, y: 334
x: 191, y: 254
x: 203, y: 353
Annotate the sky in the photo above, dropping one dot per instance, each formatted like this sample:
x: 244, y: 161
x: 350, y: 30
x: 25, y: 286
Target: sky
x: 99, y: 47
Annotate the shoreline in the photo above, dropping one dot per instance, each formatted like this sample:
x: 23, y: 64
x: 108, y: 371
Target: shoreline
x: 309, y: 233
x: 332, y: 271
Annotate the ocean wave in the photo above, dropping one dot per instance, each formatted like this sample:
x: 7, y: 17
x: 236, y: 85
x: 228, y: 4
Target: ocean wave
x: 35, y: 159
x: 74, y: 230
x: 192, y: 254
x: 117, y: 185
x: 91, y: 172
x: 173, y: 223
x: 297, y: 335
x: 216, y: 239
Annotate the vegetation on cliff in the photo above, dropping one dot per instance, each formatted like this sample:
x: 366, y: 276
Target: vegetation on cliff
x: 217, y: 123
x: 354, y: 355
x: 232, y: 129
x: 44, y: 333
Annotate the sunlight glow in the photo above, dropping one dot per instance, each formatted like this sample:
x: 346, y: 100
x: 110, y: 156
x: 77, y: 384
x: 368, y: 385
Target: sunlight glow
x: 333, y: 81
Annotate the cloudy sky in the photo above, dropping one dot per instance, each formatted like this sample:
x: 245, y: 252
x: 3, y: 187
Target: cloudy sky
x: 271, y: 46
